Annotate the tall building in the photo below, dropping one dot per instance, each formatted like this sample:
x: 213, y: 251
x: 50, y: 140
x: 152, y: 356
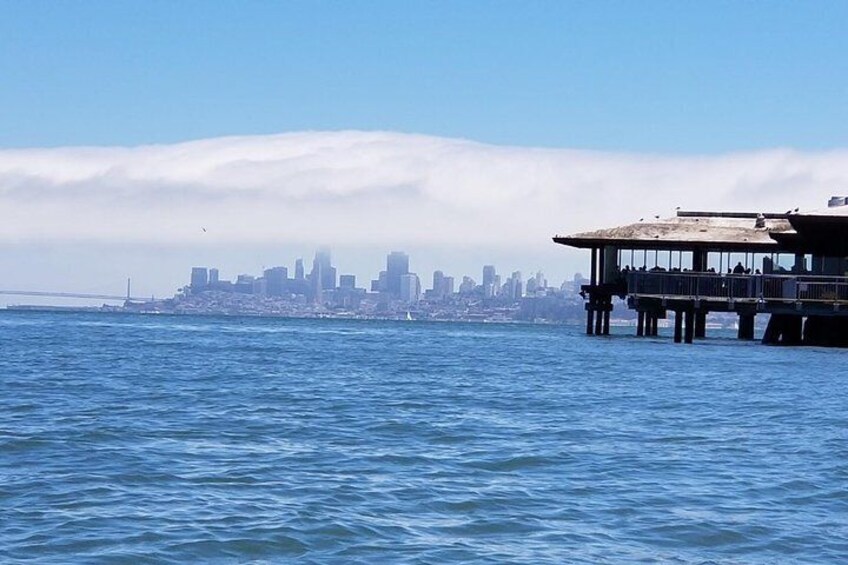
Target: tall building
x: 299, y: 274
x: 488, y: 275
x: 328, y: 272
x: 276, y: 281
x: 410, y: 288
x: 438, y: 284
x: 199, y: 279
x: 213, y: 277
x: 347, y: 282
x: 244, y: 284
x: 447, y: 286
x: 397, y: 265
x: 316, y: 278
x: 467, y: 286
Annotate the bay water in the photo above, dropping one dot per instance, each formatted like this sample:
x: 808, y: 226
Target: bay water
x: 158, y: 439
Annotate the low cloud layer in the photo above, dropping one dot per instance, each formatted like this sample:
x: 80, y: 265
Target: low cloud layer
x: 388, y: 189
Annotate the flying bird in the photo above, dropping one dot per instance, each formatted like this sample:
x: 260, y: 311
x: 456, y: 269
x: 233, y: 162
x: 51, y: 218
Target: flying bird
x: 204, y: 229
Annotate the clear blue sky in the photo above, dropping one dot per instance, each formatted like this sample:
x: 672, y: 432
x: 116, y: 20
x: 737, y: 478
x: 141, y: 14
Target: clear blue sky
x: 682, y: 77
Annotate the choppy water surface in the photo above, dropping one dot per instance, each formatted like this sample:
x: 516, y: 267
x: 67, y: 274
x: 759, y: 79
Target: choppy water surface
x: 133, y: 439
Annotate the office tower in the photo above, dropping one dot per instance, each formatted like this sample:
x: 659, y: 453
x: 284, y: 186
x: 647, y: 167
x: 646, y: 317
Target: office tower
x: 199, y: 279
x: 298, y: 270
x: 213, y: 277
x: 467, y: 286
x: 410, y: 288
x: 447, y: 286
x: 276, y: 281
x: 488, y: 275
x: 517, y: 290
x: 347, y: 282
x: 438, y: 284
x: 328, y: 272
x: 397, y: 265
x: 315, y: 279
x: 244, y: 284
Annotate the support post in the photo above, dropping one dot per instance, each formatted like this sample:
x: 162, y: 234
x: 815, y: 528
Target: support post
x: 606, y: 315
x: 599, y: 321
x: 746, y: 326
x: 678, y: 326
x: 640, y: 323
x: 700, y: 324
x: 590, y: 319
x: 689, y: 329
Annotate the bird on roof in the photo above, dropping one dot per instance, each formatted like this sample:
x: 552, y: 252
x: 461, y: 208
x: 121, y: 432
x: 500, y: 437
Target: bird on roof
x: 795, y: 210
x: 641, y: 219
x: 789, y: 211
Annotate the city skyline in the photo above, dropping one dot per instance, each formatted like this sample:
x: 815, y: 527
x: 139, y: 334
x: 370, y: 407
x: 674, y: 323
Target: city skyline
x: 392, y: 280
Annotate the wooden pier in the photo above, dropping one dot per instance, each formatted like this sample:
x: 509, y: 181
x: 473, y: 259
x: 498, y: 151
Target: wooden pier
x: 791, y: 267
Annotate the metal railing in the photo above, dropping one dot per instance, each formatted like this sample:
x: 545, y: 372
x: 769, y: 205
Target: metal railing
x: 790, y: 288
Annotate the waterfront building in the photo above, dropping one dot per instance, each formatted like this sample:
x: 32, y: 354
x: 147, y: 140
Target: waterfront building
x: 347, y: 281
x: 213, y: 278
x: 299, y: 273
x: 790, y: 266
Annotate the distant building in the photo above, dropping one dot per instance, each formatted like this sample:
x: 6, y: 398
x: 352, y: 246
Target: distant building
x: 438, y: 281
x: 199, y: 279
x: 447, y: 286
x: 244, y: 284
x: 276, y: 281
x: 410, y: 288
x: 328, y: 272
x: 467, y: 286
x: 347, y: 281
x: 488, y: 275
x: 299, y: 274
x: 213, y: 277
x: 397, y: 265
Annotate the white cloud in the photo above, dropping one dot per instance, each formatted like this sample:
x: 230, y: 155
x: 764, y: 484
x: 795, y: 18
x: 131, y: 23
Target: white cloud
x: 380, y: 188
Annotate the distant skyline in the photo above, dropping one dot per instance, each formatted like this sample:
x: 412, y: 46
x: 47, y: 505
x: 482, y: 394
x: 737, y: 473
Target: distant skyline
x: 139, y: 139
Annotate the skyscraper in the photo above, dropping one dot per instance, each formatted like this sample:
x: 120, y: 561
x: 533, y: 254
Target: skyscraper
x: 438, y: 284
x: 397, y: 265
x: 276, y: 279
x: 199, y: 279
x: 213, y: 277
x: 328, y: 272
x: 347, y: 282
x: 299, y: 274
x: 410, y: 288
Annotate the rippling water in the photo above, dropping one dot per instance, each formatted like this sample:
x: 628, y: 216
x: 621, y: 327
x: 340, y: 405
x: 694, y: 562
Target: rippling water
x: 150, y: 439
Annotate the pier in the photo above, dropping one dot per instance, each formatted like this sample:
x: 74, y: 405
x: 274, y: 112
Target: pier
x: 790, y: 266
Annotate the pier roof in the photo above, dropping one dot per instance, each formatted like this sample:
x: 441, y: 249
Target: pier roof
x: 710, y: 231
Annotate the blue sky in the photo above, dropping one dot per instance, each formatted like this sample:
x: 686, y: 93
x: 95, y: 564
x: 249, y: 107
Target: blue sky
x: 661, y: 77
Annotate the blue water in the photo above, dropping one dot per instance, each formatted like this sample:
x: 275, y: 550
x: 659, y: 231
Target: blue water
x: 172, y: 439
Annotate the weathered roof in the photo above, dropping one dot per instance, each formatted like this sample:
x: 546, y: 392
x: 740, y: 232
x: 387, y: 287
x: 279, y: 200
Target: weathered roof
x: 688, y: 230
